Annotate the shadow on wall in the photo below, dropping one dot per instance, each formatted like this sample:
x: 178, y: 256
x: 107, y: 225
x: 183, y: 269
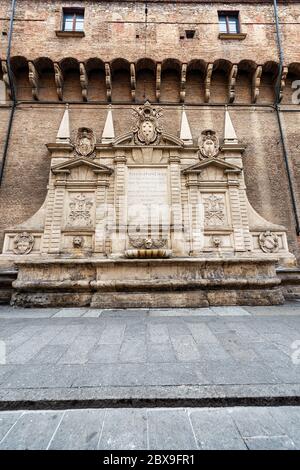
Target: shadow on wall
x: 168, y: 82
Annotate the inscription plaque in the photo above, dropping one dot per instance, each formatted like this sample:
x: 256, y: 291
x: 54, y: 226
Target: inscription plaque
x: 147, y: 198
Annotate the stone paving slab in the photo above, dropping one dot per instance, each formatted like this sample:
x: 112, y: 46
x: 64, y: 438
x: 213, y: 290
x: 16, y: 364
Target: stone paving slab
x: 148, y: 428
x: 79, y: 353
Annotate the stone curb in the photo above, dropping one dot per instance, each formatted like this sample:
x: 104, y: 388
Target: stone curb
x: 150, y: 397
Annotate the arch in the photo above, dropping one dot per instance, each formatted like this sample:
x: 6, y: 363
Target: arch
x: 19, y: 66
x: 291, y: 95
x: 145, y: 80
x: 195, y: 81
x: 219, y: 81
x: 267, y: 93
x: 72, y: 88
x: 46, y: 81
x: 243, y: 86
x: 95, y: 69
x: 170, y: 81
x: 121, y: 89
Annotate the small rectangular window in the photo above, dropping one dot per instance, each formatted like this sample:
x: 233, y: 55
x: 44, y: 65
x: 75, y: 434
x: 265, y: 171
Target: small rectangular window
x: 229, y: 22
x: 73, y: 19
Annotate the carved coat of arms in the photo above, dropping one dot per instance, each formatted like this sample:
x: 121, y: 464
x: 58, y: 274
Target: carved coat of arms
x: 268, y: 242
x: 147, y: 130
x: 208, y: 144
x: 214, y: 211
x: 85, y: 142
x: 80, y: 210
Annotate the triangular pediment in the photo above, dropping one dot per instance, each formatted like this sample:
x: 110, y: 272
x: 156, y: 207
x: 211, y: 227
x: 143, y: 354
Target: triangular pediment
x: 198, y: 167
x: 76, y: 162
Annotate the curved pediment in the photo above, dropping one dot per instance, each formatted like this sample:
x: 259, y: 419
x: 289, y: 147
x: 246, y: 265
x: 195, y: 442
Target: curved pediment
x: 81, y: 161
x: 165, y: 140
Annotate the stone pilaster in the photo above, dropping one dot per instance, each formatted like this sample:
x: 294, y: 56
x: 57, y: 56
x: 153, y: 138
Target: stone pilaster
x: 236, y: 218
x: 196, y: 219
x: 101, y: 215
x: 54, y: 230
x: 176, y: 205
x: 119, y: 229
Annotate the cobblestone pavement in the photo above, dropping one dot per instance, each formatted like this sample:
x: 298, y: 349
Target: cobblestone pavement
x: 55, y: 351
x: 169, y: 428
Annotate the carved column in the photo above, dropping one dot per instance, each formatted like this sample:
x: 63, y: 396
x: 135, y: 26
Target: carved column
x: 119, y: 235
x: 176, y: 205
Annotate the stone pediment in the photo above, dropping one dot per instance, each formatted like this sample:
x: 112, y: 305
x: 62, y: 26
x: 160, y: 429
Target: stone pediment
x: 65, y: 167
x: 198, y: 167
x: 166, y: 140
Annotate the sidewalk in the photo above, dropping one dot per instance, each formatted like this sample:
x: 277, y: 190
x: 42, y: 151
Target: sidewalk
x: 237, y: 428
x: 184, y: 357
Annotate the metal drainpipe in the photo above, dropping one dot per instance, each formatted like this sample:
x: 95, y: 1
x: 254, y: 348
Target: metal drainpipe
x: 283, y: 140
x: 13, y: 93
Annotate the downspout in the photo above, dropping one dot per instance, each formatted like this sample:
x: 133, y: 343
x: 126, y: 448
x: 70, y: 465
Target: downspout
x: 13, y: 93
x: 282, y: 135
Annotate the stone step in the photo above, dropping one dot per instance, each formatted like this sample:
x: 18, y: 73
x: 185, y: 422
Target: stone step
x: 7, y: 276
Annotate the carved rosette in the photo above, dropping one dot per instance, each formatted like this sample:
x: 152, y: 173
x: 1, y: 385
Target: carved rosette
x: 148, y: 243
x: 268, y: 242
x: 146, y: 130
x: 208, y: 144
x: 23, y: 243
x: 85, y: 143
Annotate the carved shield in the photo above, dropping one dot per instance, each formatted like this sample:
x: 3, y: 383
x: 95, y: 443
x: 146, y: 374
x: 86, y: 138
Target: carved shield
x: 85, y: 142
x: 147, y: 132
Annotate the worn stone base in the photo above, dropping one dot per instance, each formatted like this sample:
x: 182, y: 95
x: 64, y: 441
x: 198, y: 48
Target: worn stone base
x: 7, y: 276
x: 290, y: 282
x: 177, y: 282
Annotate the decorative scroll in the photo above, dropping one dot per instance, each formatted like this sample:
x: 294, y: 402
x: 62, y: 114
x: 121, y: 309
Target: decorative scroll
x: 59, y: 80
x: 148, y: 243
x: 207, y: 82
x: 83, y: 81
x: 33, y: 79
x: 232, y: 82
